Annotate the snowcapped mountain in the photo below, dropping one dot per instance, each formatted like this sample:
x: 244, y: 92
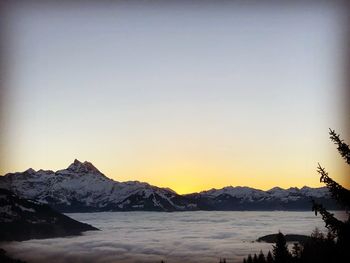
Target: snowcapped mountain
x: 21, y: 219
x: 246, y: 198
x: 83, y: 188
x: 242, y: 192
x: 251, y: 194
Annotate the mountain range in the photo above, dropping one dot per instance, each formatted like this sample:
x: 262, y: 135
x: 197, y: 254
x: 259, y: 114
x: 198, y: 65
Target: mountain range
x: 83, y: 188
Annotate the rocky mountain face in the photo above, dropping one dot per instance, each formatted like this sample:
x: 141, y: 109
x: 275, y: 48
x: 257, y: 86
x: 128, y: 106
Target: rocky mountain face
x: 83, y: 188
x: 21, y: 219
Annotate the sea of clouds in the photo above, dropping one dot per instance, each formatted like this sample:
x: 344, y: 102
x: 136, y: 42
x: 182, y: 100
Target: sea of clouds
x: 191, y: 237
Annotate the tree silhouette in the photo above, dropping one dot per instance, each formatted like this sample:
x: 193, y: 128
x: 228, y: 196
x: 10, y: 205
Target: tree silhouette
x: 261, y: 257
x: 280, y: 250
x: 249, y: 259
x: 269, y: 258
x: 342, y: 195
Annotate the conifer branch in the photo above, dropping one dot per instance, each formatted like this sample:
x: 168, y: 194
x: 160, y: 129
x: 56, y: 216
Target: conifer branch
x: 333, y: 224
x: 343, y: 148
x: 339, y: 193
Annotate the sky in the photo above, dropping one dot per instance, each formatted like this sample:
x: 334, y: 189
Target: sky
x: 187, y: 95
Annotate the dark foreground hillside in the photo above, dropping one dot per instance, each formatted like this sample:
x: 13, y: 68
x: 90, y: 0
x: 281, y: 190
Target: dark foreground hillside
x: 21, y: 219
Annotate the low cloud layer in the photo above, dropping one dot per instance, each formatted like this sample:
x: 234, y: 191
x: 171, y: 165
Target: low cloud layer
x: 173, y: 237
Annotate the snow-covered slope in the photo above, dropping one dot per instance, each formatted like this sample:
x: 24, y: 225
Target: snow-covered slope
x: 246, y: 198
x: 82, y: 187
x: 251, y: 194
x: 241, y: 192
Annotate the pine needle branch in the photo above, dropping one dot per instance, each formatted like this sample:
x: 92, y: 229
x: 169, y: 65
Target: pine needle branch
x: 333, y: 224
x: 343, y: 148
x: 339, y: 193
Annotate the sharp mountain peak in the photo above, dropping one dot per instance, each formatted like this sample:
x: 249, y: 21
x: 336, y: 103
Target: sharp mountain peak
x: 78, y: 166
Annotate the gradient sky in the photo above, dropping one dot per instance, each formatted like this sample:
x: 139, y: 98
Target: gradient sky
x: 188, y: 96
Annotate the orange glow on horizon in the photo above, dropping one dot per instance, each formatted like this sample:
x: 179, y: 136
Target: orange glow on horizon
x: 187, y: 178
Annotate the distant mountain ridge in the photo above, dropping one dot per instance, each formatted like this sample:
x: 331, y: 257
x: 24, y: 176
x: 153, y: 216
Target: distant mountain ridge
x: 83, y: 188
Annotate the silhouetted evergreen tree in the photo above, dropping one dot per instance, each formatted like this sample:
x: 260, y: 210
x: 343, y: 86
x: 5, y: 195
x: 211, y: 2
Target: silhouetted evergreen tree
x: 261, y: 257
x: 269, y: 258
x: 249, y: 259
x: 255, y: 258
x: 244, y: 260
x: 337, y: 228
x: 318, y: 249
x: 280, y: 250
